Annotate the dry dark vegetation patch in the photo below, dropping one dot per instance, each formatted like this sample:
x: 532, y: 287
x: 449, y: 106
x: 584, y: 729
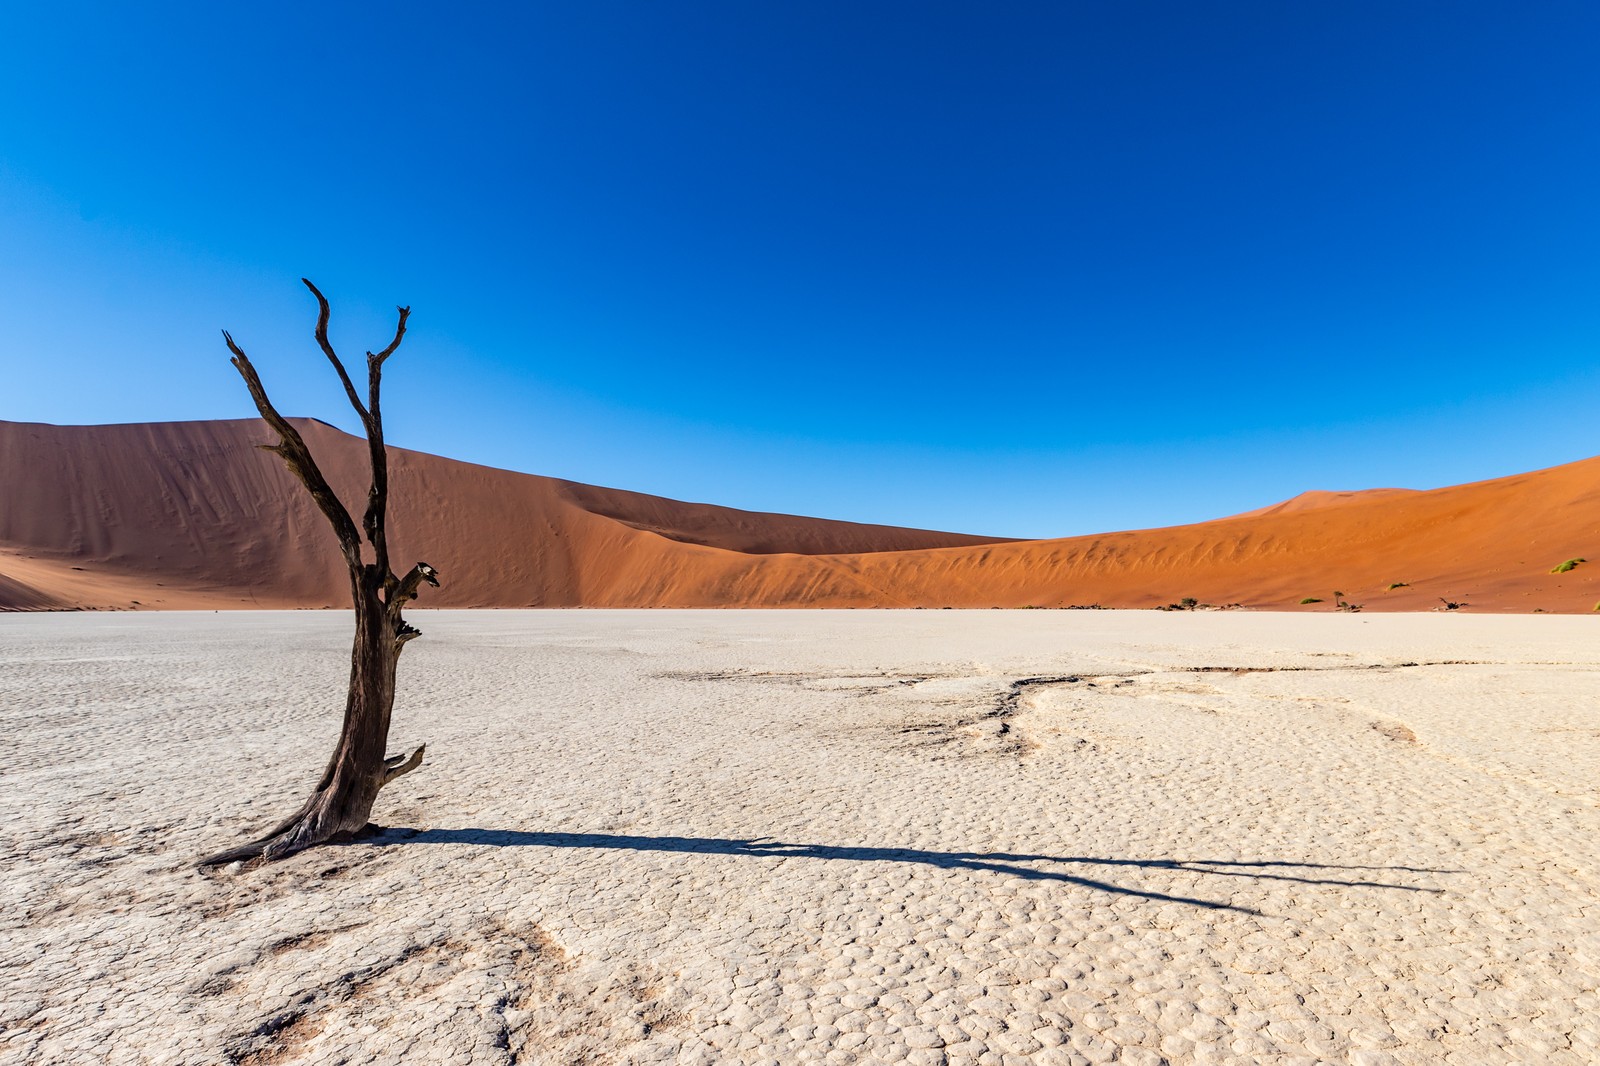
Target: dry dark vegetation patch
x: 527, y: 957
x: 1396, y: 731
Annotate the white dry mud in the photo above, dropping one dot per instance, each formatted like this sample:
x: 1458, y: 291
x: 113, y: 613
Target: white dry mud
x: 707, y: 837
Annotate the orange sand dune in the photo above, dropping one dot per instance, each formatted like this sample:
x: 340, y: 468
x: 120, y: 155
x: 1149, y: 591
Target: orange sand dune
x: 191, y: 514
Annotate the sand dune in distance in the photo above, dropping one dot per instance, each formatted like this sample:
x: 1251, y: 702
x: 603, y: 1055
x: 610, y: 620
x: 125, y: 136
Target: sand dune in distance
x: 194, y: 515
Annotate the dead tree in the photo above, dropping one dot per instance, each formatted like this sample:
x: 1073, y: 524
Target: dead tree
x: 340, y: 806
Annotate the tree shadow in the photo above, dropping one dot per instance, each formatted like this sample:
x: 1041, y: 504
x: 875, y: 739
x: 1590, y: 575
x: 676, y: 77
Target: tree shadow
x: 995, y: 862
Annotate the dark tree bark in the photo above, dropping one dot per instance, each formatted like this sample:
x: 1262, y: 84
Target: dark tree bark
x: 341, y: 804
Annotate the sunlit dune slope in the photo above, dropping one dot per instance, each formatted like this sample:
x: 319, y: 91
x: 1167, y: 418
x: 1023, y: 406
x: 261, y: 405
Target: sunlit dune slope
x: 1317, y: 499
x: 173, y: 515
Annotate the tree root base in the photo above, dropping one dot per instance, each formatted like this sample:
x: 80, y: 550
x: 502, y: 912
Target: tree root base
x: 312, y: 825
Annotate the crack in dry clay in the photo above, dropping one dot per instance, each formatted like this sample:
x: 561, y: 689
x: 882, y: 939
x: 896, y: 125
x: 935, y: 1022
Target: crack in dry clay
x: 1011, y: 699
x: 1241, y: 670
x: 851, y: 684
x: 1016, y: 741
x: 1010, y: 703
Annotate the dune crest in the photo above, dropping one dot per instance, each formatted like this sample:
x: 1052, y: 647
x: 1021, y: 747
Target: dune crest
x: 1316, y: 499
x: 192, y: 515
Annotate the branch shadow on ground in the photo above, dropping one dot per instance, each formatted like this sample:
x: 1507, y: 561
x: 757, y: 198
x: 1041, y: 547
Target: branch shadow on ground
x: 995, y: 862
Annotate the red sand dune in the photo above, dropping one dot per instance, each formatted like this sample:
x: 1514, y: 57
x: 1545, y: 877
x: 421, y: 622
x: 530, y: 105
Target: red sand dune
x: 192, y: 515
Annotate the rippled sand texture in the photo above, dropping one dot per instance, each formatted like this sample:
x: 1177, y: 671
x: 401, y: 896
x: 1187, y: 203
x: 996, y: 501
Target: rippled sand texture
x: 994, y: 837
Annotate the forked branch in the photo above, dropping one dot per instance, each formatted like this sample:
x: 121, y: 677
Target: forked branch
x: 399, y: 335
x: 373, y: 522
x: 291, y: 447
x: 396, y: 765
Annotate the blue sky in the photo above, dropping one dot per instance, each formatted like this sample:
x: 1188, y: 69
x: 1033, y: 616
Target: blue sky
x: 1023, y: 269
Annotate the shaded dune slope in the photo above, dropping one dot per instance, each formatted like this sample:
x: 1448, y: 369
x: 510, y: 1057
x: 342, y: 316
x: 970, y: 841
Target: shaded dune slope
x: 180, y: 515
x: 199, y: 508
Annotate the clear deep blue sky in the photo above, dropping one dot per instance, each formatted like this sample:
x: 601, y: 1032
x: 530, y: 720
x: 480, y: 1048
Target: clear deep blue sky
x: 1022, y: 269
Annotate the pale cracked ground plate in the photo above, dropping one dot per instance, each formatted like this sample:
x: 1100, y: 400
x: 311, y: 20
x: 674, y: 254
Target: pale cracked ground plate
x: 705, y: 837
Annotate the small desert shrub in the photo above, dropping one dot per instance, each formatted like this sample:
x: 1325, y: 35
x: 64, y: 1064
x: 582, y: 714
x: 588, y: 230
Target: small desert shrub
x: 1570, y: 564
x: 1188, y: 603
x: 1399, y: 585
x: 1310, y: 599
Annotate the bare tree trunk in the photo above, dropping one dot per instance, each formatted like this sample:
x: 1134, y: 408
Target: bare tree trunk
x: 341, y: 805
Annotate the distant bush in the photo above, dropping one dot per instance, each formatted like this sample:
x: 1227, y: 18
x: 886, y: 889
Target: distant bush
x: 1310, y: 599
x: 1344, y: 605
x: 1570, y: 564
x: 1188, y: 603
x: 1400, y: 585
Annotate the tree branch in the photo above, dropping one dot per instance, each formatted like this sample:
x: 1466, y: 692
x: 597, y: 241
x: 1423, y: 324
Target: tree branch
x: 323, y: 313
x: 291, y: 447
x: 399, y: 334
x: 374, y: 522
x: 407, y: 586
x: 395, y: 765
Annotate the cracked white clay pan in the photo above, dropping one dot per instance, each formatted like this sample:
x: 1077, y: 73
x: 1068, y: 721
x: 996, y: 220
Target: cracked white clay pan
x: 832, y: 836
